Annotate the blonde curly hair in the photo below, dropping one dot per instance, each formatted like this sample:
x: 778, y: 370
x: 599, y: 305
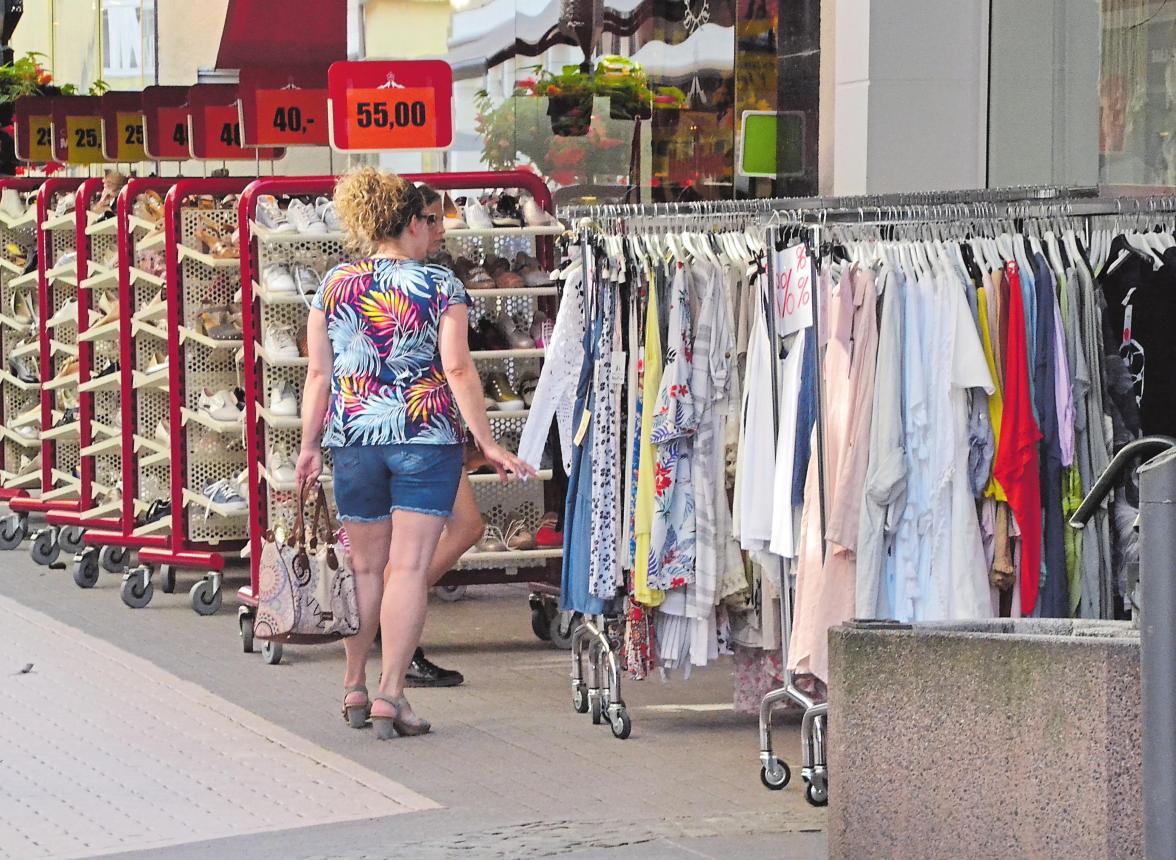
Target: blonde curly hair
x: 375, y: 206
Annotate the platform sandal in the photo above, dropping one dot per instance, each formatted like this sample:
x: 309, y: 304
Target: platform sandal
x: 356, y: 715
x: 387, y: 724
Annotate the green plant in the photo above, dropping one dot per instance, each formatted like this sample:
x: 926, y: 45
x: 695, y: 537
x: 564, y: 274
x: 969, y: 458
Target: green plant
x: 27, y: 77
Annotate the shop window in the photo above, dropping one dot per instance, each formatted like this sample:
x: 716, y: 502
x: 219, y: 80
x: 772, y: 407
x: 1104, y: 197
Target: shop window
x: 128, y: 38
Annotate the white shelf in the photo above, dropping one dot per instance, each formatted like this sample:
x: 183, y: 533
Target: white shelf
x: 66, y: 274
x: 103, y: 447
x: 190, y: 334
x: 208, y: 260
x: 163, y: 524
x: 65, y: 431
x: 290, y: 486
x: 99, y: 429
x: 106, y: 331
x: 279, y: 422
x: 503, y: 414
x: 491, y: 354
x: 505, y: 559
x: 105, y: 227
x: 26, y: 280
x: 9, y: 379
x: 10, y: 266
x: 154, y: 240
x: 60, y: 347
x: 137, y: 223
x: 157, y: 379
x: 102, y: 511
x: 460, y: 233
x: 17, y: 439
x: 139, y: 327
x: 145, y: 443
x: 159, y: 458
x: 260, y: 352
x: 101, y: 383
x: 272, y: 237
x: 23, y: 221
x: 29, y: 416
x: 69, y: 491
x: 61, y: 382
x: 268, y: 298
x: 141, y: 276
x: 15, y: 324
x: 493, y: 292
x: 541, y: 475
x: 192, y: 499
x: 56, y: 222
x: 107, y: 280
x: 21, y: 482
x: 65, y: 478
x: 150, y: 312
x: 28, y: 349
x: 198, y: 417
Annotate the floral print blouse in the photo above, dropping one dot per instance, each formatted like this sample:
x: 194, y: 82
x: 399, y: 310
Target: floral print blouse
x: 387, y: 383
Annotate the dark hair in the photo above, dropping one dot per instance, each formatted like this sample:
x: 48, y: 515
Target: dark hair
x: 429, y: 194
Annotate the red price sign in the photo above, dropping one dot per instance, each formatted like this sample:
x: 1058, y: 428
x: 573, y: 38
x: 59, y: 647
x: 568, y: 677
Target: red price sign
x: 165, y: 126
x: 289, y: 117
x: 217, y: 136
x: 392, y: 118
x: 173, y: 125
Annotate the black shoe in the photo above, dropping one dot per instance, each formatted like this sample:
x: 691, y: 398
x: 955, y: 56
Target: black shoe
x: 422, y: 673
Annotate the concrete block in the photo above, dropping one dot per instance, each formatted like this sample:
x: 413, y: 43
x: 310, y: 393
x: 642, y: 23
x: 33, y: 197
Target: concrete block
x: 991, y: 739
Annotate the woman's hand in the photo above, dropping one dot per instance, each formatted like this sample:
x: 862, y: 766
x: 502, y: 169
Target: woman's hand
x: 309, y: 467
x: 508, y: 466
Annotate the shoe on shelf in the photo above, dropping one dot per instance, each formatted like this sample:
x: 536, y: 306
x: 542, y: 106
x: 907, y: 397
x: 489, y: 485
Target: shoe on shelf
x: 69, y: 258
x: 505, y: 397
x: 65, y: 203
x: 324, y: 207
x: 277, y: 280
x: 68, y: 368
x: 161, y: 434
x: 158, y: 362
x: 530, y: 271
x: 109, y: 308
x: 514, y: 337
x: 156, y: 510
x: 282, y: 401
x: 29, y: 464
x: 28, y: 431
x: 492, y: 540
x: 526, y: 389
x: 541, y: 328
x: 425, y: 673
x: 304, y: 218
x: 535, y: 215
x: 508, y: 280
x: 219, y: 405
x: 69, y: 416
x: 20, y: 308
x: 546, y: 537
x: 224, y: 493
x: 453, y: 219
x: 506, y: 212
x: 477, y: 278
x: 221, y: 324
x: 23, y: 369
x: 271, y: 217
x: 11, y: 204
x: 281, y: 466
x: 279, y: 343
x: 491, y: 337
x: 107, y: 369
x: 306, y: 279
x: 476, y: 215
x: 518, y: 536
x: 67, y: 313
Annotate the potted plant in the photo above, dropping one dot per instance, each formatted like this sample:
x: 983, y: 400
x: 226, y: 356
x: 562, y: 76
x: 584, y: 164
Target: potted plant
x: 27, y: 77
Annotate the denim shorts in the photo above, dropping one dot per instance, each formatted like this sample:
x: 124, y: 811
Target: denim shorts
x: 372, y: 481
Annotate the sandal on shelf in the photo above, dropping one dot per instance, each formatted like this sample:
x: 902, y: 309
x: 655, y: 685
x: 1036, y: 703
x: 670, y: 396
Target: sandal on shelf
x: 519, y: 537
x: 356, y: 715
x: 209, y: 236
x: 386, y: 724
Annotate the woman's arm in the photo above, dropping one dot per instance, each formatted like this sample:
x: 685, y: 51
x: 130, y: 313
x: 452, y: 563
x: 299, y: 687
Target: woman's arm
x: 316, y: 394
x: 462, y: 375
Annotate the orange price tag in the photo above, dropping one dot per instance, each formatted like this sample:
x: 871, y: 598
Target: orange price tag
x: 83, y: 142
x: 40, y: 138
x: 291, y: 117
x: 392, y: 118
x: 130, y: 137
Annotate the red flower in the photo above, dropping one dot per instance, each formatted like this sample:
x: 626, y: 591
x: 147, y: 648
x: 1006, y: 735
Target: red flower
x: 661, y: 478
x: 552, y: 90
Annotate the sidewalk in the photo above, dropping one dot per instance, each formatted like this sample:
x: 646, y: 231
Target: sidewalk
x: 151, y: 731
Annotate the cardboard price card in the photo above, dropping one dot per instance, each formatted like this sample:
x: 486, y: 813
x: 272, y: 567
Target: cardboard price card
x: 40, y: 139
x: 392, y: 118
x: 289, y: 117
x: 80, y: 142
x: 390, y: 104
x: 173, y: 143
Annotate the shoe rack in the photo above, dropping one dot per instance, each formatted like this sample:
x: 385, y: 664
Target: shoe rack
x: 202, y: 450
x: 57, y: 285
x: 272, y: 502
x: 143, y: 462
x: 20, y: 400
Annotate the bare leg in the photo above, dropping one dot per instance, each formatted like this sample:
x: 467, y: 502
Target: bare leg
x: 402, y: 612
x: 369, y: 552
x: 463, y: 529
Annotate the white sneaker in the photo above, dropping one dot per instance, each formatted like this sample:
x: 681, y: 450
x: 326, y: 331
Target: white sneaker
x: 306, y: 279
x: 271, y: 217
x: 281, y: 467
x: 162, y: 436
x: 325, y: 209
x: 65, y: 203
x: 477, y: 216
x: 219, y: 405
x: 28, y: 431
x: 11, y: 203
x: 276, y: 279
x: 66, y: 259
x: 225, y: 494
x: 535, y: 215
x: 279, y: 343
x: 282, y: 401
x: 66, y: 313
x: 304, y: 218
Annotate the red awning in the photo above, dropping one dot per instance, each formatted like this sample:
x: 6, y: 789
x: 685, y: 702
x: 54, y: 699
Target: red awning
x: 283, y: 32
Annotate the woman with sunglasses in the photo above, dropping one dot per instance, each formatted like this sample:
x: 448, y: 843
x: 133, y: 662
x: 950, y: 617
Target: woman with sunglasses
x: 389, y: 382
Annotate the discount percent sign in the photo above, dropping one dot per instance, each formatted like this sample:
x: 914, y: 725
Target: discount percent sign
x: 793, y: 289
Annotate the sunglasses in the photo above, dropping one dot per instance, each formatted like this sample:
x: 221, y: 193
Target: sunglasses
x: 431, y: 220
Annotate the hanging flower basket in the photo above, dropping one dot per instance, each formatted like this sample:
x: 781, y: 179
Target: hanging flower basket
x: 571, y: 116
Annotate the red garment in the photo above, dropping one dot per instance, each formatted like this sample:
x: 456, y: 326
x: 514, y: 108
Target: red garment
x: 1016, y: 466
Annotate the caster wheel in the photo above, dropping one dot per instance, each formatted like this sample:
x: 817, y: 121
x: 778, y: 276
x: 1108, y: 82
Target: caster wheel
x: 776, y: 778
x: 580, y: 700
x: 816, y: 795
x: 13, y: 531
x: 45, y: 549
x: 621, y: 725
x: 137, y: 589
x: 113, y: 559
x: 167, y: 577
x: 450, y: 593
x: 540, y: 626
x: 271, y: 652
x: 206, y: 598
x: 70, y: 539
x: 562, y: 628
x: 245, y: 622
x: 86, y: 569
x: 594, y: 705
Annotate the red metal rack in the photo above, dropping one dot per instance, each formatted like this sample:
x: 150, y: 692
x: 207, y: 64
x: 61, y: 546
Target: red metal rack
x: 18, y: 397
x: 267, y: 495
x: 60, y: 489
x: 109, y: 547
x: 187, y: 432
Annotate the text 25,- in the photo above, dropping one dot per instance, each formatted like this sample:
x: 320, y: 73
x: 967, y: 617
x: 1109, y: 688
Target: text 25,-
x: 401, y: 115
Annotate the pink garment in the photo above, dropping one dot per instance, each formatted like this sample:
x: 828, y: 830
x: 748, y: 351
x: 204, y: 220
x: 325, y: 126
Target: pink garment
x: 826, y: 592
x: 1065, y: 394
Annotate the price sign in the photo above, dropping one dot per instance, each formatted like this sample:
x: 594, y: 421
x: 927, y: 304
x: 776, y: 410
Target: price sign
x: 77, y: 130
x: 288, y: 117
x: 33, y: 128
x: 173, y: 123
x: 165, y: 126
x: 792, y: 273
x: 129, y: 145
x: 382, y: 105
x: 217, y: 135
x: 40, y: 139
x: 122, y: 126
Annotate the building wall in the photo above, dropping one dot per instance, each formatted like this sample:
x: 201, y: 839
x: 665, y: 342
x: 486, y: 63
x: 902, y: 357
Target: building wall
x: 387, y: 21
x: 189, y: 36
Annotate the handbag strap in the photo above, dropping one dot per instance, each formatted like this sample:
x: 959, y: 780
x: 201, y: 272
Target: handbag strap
x: 323, y: 511
x: 300, y: 519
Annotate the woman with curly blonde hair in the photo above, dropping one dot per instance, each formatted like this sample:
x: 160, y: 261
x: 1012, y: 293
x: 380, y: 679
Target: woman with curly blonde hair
x: 390, y: 379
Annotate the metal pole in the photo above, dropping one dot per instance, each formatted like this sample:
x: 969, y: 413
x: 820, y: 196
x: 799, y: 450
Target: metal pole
x: 1157, y: 639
